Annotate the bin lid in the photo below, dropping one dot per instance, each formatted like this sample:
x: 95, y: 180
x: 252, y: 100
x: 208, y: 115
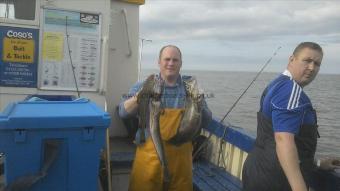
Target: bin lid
x: 53, y: 114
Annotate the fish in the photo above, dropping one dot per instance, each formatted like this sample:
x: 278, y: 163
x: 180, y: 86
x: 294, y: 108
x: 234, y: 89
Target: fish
x: 143, y: 105
x: 149, y: 111
x: 155, y: 112
x: 190, y: 125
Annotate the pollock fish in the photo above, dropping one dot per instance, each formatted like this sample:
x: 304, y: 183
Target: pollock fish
x: 143, y: 105
x: 190, y: 125
x: 155, y: 111
x: 149, y: 107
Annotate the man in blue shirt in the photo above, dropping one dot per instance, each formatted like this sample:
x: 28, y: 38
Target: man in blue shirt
x: 283, y: 155
x: 147, y: 173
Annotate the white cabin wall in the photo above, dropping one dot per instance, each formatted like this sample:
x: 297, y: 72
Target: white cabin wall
x: 122, y: 68
x: 13, y: 94
x: 119, y: 71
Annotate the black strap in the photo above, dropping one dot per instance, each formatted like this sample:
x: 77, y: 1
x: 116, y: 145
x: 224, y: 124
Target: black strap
x: 264, y: 93
x: 23, y: 183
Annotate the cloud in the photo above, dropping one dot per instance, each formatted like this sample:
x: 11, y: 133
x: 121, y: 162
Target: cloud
x: 239, y: 35
x: 237, y: 21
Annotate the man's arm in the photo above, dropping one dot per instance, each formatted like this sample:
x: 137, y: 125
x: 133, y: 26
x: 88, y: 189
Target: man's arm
x: 128, y: 106
x: 288, y: 156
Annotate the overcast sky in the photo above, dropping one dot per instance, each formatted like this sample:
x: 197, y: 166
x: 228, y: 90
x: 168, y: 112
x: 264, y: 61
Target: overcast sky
x: 239, y: 35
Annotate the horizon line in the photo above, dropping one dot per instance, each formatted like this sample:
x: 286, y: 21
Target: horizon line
x: 225, y: 70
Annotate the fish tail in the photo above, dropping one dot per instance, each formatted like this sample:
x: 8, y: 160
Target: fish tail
x: 166, y: 178
x: 142, y: 135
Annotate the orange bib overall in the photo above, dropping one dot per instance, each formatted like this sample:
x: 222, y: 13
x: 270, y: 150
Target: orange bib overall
x: 147, y: 173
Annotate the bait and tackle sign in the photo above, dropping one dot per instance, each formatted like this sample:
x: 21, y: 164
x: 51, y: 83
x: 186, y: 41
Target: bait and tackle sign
x: 18, y: 56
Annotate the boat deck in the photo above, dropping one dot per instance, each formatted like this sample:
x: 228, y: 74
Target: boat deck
x: 122, y: 156
x: 206, y: 176
x: 209, y: 177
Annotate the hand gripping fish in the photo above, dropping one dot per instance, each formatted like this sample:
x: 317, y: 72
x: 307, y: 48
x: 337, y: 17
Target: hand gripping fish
x: 155, y: 111
x: 191, y: 120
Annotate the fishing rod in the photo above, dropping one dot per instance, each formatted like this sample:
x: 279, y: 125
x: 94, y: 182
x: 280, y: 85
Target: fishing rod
x: 233, y: 106
x: 238, y: 99
x: 69, y: 53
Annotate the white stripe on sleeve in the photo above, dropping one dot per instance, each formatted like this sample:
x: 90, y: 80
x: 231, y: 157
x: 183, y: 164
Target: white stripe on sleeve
x: 298, y: 98
x: 291, y: 96
x: 294, y: 97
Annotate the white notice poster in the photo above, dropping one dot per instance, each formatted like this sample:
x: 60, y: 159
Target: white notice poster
x: 70, y: 38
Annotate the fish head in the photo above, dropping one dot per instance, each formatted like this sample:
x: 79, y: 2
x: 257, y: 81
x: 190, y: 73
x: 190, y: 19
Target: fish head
x: 157, y: 88
x: 146, y: 90
x: 193, y: 90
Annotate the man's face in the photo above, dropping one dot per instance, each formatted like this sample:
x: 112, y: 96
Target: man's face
x: 170, y: 63
x: 305, y: 65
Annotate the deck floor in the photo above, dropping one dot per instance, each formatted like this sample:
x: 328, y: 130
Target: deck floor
x: 2, y: 178
x: 122, y: 153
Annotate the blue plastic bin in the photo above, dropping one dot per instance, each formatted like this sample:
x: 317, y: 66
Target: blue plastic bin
x: 78, y: 125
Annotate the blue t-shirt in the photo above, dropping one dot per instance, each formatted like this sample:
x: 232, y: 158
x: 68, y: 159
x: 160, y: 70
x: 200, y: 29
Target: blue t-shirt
x: 287, y: 105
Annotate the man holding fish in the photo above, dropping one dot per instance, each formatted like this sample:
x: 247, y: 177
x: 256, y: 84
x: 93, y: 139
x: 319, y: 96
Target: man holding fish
x: 171, y: 112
